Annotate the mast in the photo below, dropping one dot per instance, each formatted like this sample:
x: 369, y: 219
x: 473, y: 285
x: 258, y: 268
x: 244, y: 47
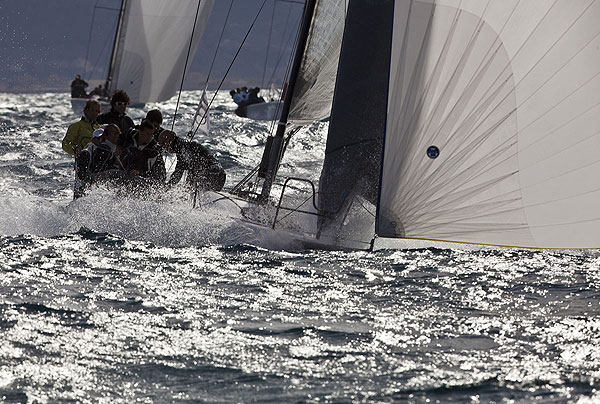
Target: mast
x: 111, y: 66
x: 277, y: 142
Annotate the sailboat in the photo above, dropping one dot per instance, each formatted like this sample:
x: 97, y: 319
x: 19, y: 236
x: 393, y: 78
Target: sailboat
x: 478, y: 120
x: 152, y: 48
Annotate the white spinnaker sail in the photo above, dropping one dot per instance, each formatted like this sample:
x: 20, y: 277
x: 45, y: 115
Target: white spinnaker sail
x: 509, y: 92
x: 316, y: 81
x: 153, y: 44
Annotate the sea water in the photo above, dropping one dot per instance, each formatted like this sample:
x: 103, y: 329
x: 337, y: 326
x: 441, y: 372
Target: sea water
x: 111, y: 299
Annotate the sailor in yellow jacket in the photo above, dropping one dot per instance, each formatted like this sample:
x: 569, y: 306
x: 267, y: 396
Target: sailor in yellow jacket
x: 79, y: 134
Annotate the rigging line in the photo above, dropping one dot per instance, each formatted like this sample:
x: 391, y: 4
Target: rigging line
x: 229, y: 68
x: 281, y: 48
x: 262, y: 82
x: 212, y: 65
x: 106, y: 42
x: 106, y: 8
x: 87, y: 52
x: 293, y: 210
x: 222, y: 197
x: 281, y: 53
x: 287, y: 72
x: 218, y: 45
x: 365, y: 208
x: 244, y: 180
x: 185, y: 65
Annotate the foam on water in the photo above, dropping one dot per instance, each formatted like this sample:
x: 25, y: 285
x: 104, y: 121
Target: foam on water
x: 37, y: 187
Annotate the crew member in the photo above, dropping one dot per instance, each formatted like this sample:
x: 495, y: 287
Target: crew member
x: 79, y: 133
x: 204, y: 171
x: 142, y: 151
x: 106, y: 155
x: 78, y: 87
x: 154, y: 116
x: 236, y: 96
x: 101, y: 155
x: 118, y: 104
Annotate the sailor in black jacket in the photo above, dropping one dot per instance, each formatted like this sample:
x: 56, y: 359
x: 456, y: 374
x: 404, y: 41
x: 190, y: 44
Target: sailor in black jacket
x: 142, y: 151
x: 105, y: 156
x: 101, y: 155
x: 118, y: 105
x: 204, y: 171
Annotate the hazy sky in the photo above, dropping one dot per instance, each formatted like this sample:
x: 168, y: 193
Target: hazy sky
x: 43, y: 43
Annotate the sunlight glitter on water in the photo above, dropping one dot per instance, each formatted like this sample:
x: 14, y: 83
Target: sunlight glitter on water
x: 119, y: 300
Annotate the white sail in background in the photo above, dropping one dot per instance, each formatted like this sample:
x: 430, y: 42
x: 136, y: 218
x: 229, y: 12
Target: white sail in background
x: 152, y: 46
x: 316, y: 81
x: 201, y: 121
x: 508, y: 93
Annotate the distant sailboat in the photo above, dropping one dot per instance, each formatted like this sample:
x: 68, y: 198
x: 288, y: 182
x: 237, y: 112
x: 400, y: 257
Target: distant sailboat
x: 459, y: 120
x: 151, y: 46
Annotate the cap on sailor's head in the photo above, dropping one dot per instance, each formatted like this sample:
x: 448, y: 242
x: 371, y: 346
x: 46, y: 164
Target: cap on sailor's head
x: 99, y: 132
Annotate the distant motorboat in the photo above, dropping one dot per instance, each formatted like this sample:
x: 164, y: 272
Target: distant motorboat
x: 263, y: 111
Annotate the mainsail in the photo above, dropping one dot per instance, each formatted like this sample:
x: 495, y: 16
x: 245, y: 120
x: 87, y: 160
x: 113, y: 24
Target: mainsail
x: 152, y: 44
x: 313, y: 92
x: 493, y: 123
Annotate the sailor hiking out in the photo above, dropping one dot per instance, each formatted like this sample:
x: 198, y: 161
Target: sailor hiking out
x: 204, y: 172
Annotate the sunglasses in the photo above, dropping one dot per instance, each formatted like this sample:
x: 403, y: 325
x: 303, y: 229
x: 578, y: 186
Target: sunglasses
x: 120, y: 103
